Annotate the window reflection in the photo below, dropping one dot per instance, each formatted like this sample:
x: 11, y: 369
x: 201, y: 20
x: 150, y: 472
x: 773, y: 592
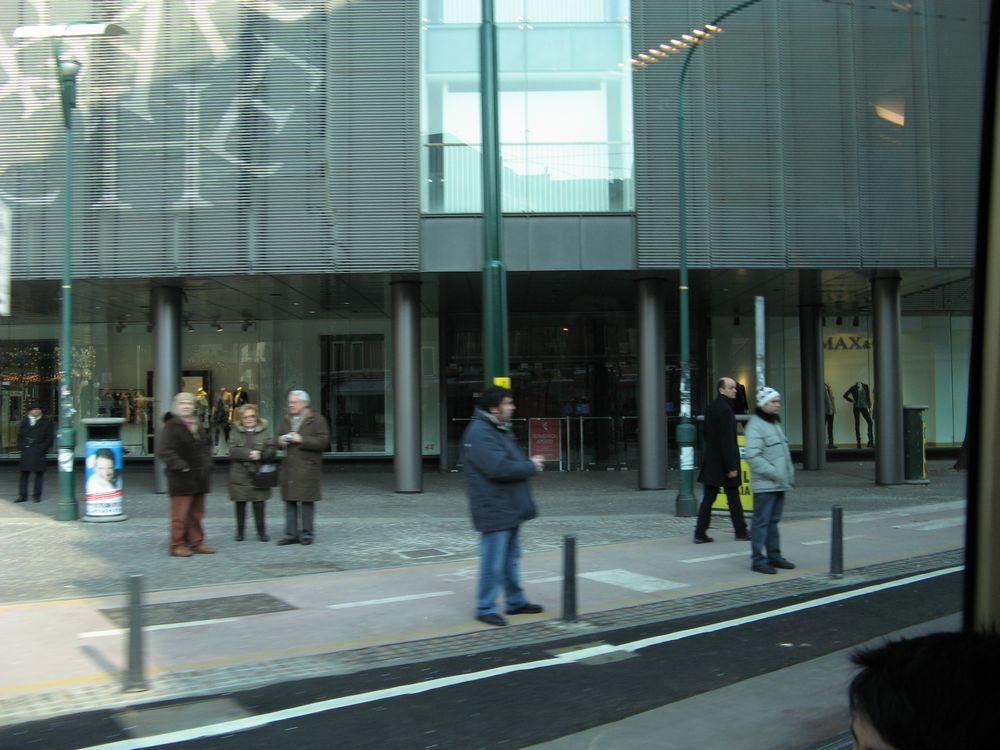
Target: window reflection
x: 565, y: 107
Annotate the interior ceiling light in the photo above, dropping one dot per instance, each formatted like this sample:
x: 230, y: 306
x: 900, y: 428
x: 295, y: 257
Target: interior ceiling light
x: 893, y: 111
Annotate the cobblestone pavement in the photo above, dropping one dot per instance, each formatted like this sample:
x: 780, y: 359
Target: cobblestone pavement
x: 364, y: 524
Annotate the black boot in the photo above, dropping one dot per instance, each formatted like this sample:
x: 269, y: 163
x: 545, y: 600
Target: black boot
x: 258, y: 517
x: 241, y: 520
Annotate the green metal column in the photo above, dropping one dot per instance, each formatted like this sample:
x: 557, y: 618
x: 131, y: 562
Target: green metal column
x: 495, y: 329
x: 686, y: 505
x: 66, y: 510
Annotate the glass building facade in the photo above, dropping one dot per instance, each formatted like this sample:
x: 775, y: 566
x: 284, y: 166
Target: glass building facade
x: 272, y: 171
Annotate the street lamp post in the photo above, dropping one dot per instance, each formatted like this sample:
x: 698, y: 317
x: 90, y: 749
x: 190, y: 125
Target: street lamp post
x: 494, y: 276
x: 67, y: 71
x: 686, y: 505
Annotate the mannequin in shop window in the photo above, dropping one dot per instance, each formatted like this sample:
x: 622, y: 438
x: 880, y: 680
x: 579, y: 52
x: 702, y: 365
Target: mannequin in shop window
x: 860, y: 396
x: 202, y: 407
x: 240, y: 398
x: 221, y: 417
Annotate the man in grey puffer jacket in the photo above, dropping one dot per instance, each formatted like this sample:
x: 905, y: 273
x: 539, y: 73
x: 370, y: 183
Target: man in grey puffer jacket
x: 771, y: 475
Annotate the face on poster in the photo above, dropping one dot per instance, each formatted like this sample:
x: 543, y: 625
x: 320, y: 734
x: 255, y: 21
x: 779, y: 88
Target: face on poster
x: 102, y: 474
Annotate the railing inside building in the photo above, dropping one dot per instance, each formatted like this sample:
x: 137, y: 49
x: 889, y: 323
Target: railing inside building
x: 537, y: 177
x: 576, y: 443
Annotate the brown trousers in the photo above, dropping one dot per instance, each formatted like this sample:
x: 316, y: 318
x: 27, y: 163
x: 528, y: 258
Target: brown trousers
x: 186, y: 512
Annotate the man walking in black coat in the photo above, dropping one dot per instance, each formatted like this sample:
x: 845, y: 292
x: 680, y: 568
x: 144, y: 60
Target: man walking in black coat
x: 720, y: 465
x: 34, y: 439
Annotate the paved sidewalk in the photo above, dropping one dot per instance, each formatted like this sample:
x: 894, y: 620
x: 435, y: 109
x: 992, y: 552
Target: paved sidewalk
x: 391, y: 578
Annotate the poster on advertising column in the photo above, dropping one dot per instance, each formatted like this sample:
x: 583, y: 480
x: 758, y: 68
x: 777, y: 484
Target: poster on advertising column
x: 102, y: 490
x: 545, y: 439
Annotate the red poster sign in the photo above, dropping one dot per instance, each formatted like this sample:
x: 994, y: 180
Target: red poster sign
x: 544, y: 438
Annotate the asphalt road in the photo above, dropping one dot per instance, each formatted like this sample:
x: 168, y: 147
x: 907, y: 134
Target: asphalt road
x: 516, y: 697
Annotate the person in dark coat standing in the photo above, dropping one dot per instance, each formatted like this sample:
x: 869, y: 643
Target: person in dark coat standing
x: 720, y: 464
x: 185, y: 447
x: 250, y: 444
x: 304, y: 435
x: 34, y: 439
x: 497, y: 474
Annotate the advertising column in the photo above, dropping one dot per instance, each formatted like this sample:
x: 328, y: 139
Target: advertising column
x: 102, y: 489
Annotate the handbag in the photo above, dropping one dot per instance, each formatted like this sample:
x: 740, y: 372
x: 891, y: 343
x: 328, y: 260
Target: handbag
x: 266, y: 475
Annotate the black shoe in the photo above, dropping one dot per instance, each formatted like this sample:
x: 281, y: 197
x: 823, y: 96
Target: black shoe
x: 306, y: 541
x: 526, y: 609
x: 783, y: 564
x: 703, y: 539
x: 744, y: 537
x: 37, y: 500
x: 492, y: 619
x: 287, y: 540
x: 239, y: 537
x: 263, y: 537
x: 21, y: 500
x: 763, y: 568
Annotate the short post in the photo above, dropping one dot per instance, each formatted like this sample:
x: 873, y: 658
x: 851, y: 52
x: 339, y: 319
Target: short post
x: 837, y: 543
x: 569, y: 578
x: 135, y: 680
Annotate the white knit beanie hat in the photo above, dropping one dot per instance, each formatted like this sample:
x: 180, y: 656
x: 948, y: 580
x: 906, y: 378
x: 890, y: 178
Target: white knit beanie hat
x: 766, y: 395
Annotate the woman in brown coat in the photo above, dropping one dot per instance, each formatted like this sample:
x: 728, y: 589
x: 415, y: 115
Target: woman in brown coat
x: 304, y: 435
x: 249, y: 445
x: 186, y: 449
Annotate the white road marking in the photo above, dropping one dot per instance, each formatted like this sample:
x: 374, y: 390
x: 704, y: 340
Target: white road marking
x: 827, y: 541
x: 940, y: 523
x: 166, y: 626
x: 547, y: 579
x: 626, y: 579
x: 390, y: 600
x: 878, y: 515
x: 33, y: 527
x: 715, y: 557
x: 310, y: 709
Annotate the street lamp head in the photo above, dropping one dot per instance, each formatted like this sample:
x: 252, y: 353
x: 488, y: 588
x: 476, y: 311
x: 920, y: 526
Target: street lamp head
x: 78, y: 28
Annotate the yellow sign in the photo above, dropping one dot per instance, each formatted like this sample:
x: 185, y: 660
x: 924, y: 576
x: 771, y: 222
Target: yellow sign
x: 503, y: 381
x: 746, y: 496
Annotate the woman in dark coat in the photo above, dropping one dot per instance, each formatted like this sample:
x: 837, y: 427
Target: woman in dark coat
x: 250, y: 444
x: 34, y: 440
x: 186, y: 449
x: 304, y: 435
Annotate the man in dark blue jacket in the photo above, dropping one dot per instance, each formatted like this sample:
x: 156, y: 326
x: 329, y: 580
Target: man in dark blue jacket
x: 497, y: 472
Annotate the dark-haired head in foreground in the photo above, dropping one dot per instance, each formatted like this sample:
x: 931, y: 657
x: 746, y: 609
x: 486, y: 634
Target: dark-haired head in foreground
x: 936, y: 692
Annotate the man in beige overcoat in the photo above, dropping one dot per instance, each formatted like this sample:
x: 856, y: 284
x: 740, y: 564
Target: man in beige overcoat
x: 305, y: 435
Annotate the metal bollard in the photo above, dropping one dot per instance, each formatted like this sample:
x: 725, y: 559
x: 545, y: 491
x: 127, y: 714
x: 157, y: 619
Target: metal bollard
x: 569, y: 578
x: 837, y: 543
x: 135, y: 680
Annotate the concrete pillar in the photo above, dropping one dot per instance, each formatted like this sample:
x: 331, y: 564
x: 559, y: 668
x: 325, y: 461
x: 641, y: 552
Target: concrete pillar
x: 407, y: 439
x: 811, y: 355
x: 166, y: 308
x: 652, y: 385
x: 888, y: 386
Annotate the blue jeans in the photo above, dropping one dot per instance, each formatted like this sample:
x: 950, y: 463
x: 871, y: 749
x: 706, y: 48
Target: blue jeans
x: 499, y: 566
x: 765, y: 540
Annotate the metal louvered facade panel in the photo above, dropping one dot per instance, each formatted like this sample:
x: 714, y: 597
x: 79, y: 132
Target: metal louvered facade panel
x: 818, y: 134
x: 222, y: 138
x: 374, y: 135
